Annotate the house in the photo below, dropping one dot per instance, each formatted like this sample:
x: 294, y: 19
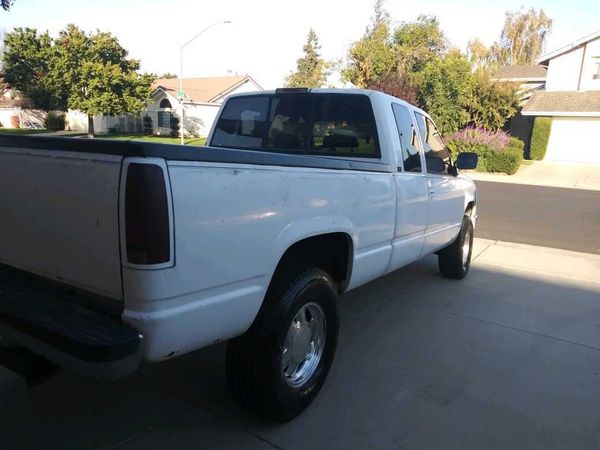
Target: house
x: 202, y: 98
x: 14, y: 112
x: 572, y: 99
x: 530, y: 79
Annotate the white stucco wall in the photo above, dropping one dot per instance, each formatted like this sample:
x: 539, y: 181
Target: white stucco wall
x: 35, y: 116
x: 574, y: 139
x: 592, y: 56
x: 563, y: 71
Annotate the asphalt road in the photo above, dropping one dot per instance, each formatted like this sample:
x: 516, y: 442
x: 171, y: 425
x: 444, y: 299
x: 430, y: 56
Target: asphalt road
x: 551, y: 217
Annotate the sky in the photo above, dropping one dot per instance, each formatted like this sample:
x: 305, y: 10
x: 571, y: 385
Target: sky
x: 265, y: 37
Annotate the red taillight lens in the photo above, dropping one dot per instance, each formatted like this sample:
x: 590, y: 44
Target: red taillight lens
x: 146, y: 215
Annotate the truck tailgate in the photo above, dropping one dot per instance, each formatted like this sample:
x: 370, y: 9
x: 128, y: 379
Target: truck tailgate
x: 59, y: 216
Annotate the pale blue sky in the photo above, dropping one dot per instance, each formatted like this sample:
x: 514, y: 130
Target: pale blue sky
x: 266, y: 37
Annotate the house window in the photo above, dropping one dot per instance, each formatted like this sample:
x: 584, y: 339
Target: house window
x: 164, y: 119
x: 165, y: 103
x: 597, y: 71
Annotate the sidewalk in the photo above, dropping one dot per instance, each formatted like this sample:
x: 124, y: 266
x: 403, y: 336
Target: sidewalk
x: 546, y: 173
x: 566, y: 264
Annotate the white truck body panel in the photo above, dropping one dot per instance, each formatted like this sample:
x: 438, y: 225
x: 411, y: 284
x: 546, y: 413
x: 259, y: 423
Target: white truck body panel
x: 59, y: 217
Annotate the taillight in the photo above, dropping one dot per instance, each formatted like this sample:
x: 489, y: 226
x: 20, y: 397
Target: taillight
x: 147, y: 234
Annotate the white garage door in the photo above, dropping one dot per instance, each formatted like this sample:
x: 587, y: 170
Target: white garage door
x: 574, y: 140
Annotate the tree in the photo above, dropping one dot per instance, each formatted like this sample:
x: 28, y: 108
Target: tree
x: 479, y: 55
x: 396, y: 85
x: 373, y: 55
x: 522, y: 38
x: 6, y: 4
x: 25, y: 64
x: 311, y: 69
x: 417, y: 43
x: 491, y: 103
x: 444, y: 89
x: 168, y: 75
x: 90, y: 73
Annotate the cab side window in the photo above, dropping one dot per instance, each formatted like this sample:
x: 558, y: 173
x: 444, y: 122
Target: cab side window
x: 437, y: 157
x: 408, y: 138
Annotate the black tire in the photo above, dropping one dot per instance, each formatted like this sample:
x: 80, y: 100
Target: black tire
x: 451, y: 262
x: 254, y: 360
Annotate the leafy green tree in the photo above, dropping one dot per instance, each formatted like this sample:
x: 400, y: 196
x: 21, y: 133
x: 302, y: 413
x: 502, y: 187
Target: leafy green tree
x: 491, y: 103
x: 444, y: 88
x: 417, y: 43
x: 88, y: 72
x: 25, y: 64
x: 6, y: 4
x: 479, y: 55
x: 92, y: 73
x: 311, y: 69
x: 373, y: 55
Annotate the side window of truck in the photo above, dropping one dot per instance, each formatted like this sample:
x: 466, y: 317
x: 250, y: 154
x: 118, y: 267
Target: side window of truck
x: 408, y: 138
x: 437, y: 157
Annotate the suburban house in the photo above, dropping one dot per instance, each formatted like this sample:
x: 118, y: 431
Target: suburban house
x: 14, y: 112
x: 530, y: 79
x: 572, y: 99
x: 202, y: 98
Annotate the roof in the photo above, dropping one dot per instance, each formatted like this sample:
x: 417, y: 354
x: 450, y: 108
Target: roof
x: 202, y: 90
x: 563, y: 103
x: 521, y: 73
x: 548, y: 56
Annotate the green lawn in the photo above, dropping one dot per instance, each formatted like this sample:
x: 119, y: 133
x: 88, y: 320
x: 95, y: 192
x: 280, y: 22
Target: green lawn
x: 200, y: 142
x: 23, y: 131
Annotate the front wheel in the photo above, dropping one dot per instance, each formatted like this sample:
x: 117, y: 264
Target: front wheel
x: 455, y: 260
x: 277, y: 368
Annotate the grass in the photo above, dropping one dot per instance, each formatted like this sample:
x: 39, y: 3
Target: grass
x: 200, y: 142
x: 527, y: 162
x: 24, y: 131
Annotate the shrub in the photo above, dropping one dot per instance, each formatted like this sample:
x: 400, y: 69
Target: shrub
x: 174, y: 126
x: 147, y: 124
x: 498, y: 152
x: 539, y: 137
x: 55, y: 121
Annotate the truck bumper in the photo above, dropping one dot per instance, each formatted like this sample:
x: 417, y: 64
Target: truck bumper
x: 48, y: 321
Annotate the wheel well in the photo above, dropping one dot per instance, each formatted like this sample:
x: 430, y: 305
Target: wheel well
x: 469, y: 209
x: 330, y: 252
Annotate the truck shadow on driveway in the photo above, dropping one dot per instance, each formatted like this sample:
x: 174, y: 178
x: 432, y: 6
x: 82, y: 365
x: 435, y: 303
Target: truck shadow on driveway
x: 503, y: 359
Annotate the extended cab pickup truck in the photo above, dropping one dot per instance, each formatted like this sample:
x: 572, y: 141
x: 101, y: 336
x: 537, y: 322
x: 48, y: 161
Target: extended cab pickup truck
x: 116, y: 252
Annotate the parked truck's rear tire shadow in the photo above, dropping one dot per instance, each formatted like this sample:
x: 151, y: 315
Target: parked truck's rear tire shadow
x: 454, y: 261
x: 277, y: 368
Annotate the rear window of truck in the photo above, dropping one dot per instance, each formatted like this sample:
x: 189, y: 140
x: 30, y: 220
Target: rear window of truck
x: 301, y: 123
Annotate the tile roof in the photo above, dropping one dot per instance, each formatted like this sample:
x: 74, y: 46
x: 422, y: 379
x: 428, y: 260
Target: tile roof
x: 521, y: 73
x: 201, y: 90
x: 564, y: 102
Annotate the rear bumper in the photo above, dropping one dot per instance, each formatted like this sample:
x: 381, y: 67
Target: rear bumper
x: 48, y: 321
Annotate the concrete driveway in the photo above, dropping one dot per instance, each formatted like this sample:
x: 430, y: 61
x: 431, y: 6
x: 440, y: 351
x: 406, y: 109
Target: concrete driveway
x: 508, y: 358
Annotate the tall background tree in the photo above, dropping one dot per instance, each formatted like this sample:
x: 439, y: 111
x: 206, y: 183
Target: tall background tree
x: 311, y: 69
x: 6, y: 4
x: 87, y: 72
x: 373, y: 55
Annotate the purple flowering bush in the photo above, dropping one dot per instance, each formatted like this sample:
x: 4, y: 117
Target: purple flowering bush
x: 497, y: 150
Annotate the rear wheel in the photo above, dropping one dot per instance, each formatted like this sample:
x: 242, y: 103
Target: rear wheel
x: 277, y: 368
x: 455, y: 260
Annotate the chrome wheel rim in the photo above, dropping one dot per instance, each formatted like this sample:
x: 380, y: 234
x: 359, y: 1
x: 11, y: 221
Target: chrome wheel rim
x: 304, y: 345
x: 465, y: 248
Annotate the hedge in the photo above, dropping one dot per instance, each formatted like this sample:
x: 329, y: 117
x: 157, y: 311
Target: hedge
x: 55, y: 121
x: 497, y: 151
x: 539, y: 137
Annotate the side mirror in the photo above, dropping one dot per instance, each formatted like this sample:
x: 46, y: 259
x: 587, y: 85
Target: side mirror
x: 467, y: 160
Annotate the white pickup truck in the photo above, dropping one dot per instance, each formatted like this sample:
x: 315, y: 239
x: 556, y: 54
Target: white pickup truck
x: 116, y: 252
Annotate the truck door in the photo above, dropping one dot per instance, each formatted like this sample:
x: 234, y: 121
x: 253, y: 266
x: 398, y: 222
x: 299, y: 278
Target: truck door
x: 446, y: 202
x: 411, y: 192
